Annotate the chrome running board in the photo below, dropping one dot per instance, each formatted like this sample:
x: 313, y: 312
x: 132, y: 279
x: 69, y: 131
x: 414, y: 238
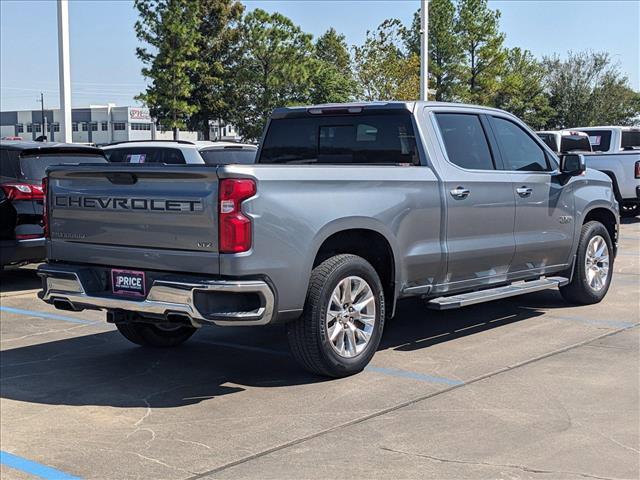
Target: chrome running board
x: 481, y: 296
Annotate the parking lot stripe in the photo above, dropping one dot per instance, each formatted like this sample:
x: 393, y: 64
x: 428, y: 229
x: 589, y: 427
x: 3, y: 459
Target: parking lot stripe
x: 595, y: 323
x: 33, y: 468
x: 247, y: 347
x: 393, y: 372
x: 396, y: 407
x: 31, y: 313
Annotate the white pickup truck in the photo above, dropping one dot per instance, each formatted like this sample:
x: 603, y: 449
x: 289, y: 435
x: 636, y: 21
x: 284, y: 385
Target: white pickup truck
x: 565, y: 141
x: 617, y: 153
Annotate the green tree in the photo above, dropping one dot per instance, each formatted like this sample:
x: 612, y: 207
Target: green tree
x: 445, y: 49
x: 587, y: 89
x: 274, y: 66
x: 477, y: 29
x: 384, y: 71
x: 332, y: 77
x: 521, y: 88
x: 331, y: 48
x: 213, y: 79
x: 171, y: 29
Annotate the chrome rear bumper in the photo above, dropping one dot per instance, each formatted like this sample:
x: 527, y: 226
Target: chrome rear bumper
x: 63, y: 288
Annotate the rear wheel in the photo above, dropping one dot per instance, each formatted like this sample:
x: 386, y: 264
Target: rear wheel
x: 341, y: 326
x: 594, y: 265
x: 154, y: 336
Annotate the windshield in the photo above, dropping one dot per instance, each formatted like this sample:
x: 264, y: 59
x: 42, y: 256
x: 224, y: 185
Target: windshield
x: 33, y: 167
x: 227, y: 156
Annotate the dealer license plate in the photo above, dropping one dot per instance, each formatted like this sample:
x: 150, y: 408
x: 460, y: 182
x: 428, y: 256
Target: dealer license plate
x: 127, y: 282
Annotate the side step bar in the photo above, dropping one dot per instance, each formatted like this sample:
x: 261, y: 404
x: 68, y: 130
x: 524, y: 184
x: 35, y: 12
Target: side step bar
x: 481, y: 296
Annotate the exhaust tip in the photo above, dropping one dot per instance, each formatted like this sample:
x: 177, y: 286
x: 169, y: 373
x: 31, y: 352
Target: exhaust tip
x: 181, y: 318
x: 61, y: 304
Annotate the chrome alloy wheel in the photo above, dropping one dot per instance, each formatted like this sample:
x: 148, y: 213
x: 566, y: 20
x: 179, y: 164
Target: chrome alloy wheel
x: 351, y: 316
x: 596, y: 263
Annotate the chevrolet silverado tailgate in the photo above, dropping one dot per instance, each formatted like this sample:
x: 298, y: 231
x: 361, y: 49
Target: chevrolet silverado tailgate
x: 135, y: 216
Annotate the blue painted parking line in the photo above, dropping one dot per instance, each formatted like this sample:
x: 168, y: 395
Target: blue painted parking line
x: 413, y: 375
x: 32, y: 313
x: 33, y: 468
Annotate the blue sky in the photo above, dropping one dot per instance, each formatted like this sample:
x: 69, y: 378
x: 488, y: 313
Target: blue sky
x: 104, y: 67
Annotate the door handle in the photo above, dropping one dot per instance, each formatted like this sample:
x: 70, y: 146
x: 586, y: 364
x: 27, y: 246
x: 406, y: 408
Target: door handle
x: 524, y: 191
x: 460, y: 192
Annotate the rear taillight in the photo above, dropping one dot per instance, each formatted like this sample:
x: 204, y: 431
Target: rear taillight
x: 45, y: 208
x: 637, y: 169
x: 22, y: 191
x: 234, y: 227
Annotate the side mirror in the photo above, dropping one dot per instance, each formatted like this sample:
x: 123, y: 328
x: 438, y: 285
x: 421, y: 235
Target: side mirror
x: 573, y: 164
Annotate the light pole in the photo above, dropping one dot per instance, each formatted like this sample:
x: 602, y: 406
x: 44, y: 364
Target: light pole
x: 64, y: 69
x: 424, y: 51
x: 44, y: 127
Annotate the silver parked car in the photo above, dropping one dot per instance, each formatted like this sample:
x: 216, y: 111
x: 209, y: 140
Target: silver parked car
x: 348, y: 209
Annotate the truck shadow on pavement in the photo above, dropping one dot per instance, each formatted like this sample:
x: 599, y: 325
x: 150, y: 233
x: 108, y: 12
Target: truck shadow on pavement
x: 106, y: 370
x: 15, y: 279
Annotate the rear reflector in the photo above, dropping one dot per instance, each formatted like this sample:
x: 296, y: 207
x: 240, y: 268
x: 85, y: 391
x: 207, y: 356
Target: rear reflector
x: 233, y: 226
x: 22, y: 191
x: 637, y: 170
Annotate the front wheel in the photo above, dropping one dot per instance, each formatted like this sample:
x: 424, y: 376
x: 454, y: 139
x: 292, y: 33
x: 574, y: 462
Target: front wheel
x: 149, y: 335
x: 594, y: 266
x: 343, y: 318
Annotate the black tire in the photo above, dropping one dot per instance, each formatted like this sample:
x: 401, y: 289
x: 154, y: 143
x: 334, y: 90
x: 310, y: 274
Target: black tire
x: 308, y: 336
x: 149, y: 335
x: 578, y: 291
x: 630, y: 210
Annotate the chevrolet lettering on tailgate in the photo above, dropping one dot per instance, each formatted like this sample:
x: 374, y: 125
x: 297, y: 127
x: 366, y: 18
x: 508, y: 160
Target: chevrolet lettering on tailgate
x: 118, y: 203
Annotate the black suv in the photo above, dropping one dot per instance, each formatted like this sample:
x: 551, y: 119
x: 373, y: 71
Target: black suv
x: 22, y: 168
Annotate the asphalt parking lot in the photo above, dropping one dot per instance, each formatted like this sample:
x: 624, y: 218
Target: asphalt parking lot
x: 522, y: 388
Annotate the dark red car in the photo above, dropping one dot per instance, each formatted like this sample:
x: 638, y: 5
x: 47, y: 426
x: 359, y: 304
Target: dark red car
x: 22, y: 168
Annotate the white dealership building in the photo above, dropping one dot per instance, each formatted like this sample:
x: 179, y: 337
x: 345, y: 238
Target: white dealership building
x: 99, y: 124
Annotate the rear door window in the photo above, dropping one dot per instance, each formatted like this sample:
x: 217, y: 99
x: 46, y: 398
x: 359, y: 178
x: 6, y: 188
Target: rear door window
x: 172, y: 156
x: 342, y: 139
x: 465, y: 141
x: 519, y: 151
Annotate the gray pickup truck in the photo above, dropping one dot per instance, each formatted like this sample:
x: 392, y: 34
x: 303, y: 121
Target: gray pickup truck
x: 348, y: 209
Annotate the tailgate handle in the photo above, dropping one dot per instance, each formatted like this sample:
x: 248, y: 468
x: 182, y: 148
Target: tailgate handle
x: 122, y: 178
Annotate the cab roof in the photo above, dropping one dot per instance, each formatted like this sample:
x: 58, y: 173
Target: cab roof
x: 367, y: 107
